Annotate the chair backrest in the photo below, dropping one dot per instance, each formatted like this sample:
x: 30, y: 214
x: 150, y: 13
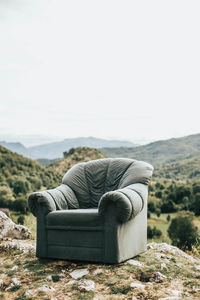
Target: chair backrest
x: 90, y: 180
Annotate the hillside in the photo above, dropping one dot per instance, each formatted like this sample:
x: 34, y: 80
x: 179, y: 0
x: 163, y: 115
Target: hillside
x: 160, y: 152
x: 55, y: 150
x: 74, y: 156
x: 181, y: 170
x: 19, y: 175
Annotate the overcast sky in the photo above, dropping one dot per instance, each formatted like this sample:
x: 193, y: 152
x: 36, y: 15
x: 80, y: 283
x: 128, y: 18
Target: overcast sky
x: 110, y: 69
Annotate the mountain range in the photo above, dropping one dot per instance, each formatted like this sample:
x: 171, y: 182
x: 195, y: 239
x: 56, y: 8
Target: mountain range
x: 160, y: 152
x: 55, y: 150
x: 176, y: 158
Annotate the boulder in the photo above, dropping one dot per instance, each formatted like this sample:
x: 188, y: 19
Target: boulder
x: 79, y: 273
x: 9, y: 229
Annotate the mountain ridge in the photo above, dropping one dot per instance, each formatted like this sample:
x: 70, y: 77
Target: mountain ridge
x: 54, y: 150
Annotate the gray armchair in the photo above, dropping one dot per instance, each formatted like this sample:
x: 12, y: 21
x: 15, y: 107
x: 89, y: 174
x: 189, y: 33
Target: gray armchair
x: 98, y: 213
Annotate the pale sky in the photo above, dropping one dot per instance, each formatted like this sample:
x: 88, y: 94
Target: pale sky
x: 111, y: 69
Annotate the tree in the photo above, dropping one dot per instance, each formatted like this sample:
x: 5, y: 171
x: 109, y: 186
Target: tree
x: 168, y: 218
x: 158, y: 194
x: 20, y: 205
x: 168, y: 206
x: 151, y: 206
x: 157, y: 212
x: 196, y: 204
x: 5, y: 195
x: 182, y: 231
x: 153, y: 232
x: 21, y: 186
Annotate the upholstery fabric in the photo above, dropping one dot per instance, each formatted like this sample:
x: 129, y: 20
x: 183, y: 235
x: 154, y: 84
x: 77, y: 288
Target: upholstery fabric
x: 74, y: 217
x: 98, y: 213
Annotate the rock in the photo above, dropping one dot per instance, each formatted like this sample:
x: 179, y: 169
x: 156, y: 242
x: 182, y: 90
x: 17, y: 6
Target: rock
x: 61, y: 276
x: 28, y: 293
x: 134, y: 262
x: 22, y: 245
x: 197, y: 268
x: 45, y: 288
x: 86, y: 285
x: 1, y: 282
x: 97, y: 272
x: 134, y: 298
x: 15, y: 281
x: 9, y: 229
x: 163, y: 266
x: 14, y: 268
x: 165, y: 248
x: 157, y: 277
x: 161, y: 257
x: 169, y: 298
x: 136, y: 285
x: 176, y: 292
x: 71, y: 282
x: 49, y: 278
x: 79, y: 273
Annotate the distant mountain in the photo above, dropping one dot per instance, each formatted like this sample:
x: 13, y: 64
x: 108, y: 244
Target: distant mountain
x: 15, y: 147
x: 56, y: 149
x: 160, y: 152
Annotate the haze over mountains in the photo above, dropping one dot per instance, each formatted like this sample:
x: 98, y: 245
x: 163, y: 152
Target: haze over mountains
x: 55, y: 150
x: 176, y: 155
x: 161, y: 152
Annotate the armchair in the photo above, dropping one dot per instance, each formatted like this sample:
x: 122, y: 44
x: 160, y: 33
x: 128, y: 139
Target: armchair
x: 98, y: 213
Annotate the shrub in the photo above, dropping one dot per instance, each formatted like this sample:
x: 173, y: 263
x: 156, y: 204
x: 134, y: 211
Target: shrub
x: 151, y: 207
x: 182, y: 231
x: 168, y: 218
x: 153, y: 232
x: 20, y: 220
x: 20, y: 205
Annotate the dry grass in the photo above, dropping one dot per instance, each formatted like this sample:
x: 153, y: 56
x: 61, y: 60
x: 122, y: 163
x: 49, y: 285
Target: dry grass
x: 113, y: 283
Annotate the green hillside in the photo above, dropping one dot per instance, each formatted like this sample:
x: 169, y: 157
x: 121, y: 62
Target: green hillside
x: 160, y: 152
x: 20, y: 175
x: 181, y: 170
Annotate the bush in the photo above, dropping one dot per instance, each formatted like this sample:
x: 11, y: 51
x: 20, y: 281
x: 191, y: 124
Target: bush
x: 168, y: 206
x: 151, y: 207
x: 153, y: 232
x: 182, y: 231
x: 20, y: 220
x: 20, y: 205
x: 157, y: 212
x: 168, y: 218
x: 21, y: 186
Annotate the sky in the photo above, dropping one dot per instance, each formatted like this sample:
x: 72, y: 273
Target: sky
x: 112, y: 69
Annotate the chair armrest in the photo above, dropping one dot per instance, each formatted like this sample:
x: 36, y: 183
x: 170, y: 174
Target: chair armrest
x: 129, y: 201
x: 41, y: 200
x: 62, y: 197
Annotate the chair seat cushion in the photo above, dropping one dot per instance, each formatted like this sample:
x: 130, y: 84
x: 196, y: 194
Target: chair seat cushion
x: 74, y: 217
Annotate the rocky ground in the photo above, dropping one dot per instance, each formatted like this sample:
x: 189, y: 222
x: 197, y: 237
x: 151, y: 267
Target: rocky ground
x: 162, y: 272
